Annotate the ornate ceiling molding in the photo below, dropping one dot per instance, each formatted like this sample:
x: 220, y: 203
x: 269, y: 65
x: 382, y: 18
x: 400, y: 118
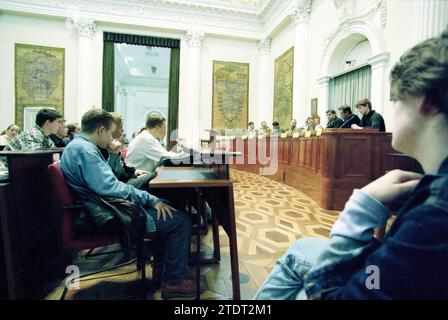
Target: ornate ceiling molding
x: 245, y: 21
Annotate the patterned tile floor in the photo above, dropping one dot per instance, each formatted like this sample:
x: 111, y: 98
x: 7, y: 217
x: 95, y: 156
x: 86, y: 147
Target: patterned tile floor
x: 269, y: 217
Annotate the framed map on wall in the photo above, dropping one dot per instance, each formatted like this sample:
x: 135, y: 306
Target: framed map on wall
x: 283, y: 88
x: 39, y: 78
x: 230, y: 95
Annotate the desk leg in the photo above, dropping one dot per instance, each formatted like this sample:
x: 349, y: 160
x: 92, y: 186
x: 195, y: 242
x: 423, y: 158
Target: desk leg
x: 199, y: 206
x: 216, y: 247
x: 233, y: 247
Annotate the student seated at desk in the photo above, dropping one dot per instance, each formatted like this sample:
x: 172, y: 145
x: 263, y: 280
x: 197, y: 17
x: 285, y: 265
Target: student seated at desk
x: 92, y: 180
x: 145, y: 150
x: 48, y: 121
x: 59, y: 138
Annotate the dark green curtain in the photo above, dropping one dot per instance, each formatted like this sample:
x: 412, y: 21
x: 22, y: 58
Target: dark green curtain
x: 141, y: 40
x: 108, y: 76
x: 173, y: 93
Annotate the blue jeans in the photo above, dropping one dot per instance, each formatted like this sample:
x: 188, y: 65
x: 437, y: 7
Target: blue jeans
x: 172, y: 245
x: 285, y: 282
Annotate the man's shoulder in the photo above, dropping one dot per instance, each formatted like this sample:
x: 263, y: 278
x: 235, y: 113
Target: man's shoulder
x: 377, y: 115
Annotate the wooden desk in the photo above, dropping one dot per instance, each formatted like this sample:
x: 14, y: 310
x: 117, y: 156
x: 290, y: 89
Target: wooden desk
x: 219, y: 195
x: 29, y: 223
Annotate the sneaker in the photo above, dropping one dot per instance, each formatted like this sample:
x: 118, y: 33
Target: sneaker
x: 181, y: 289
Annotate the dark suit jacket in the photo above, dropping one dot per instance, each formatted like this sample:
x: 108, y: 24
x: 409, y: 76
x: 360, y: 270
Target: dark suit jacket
x: 353, y: 119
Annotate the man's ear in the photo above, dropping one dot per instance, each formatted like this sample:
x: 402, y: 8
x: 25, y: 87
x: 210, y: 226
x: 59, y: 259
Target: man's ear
x: 426, y: 108
x: 101, y: 130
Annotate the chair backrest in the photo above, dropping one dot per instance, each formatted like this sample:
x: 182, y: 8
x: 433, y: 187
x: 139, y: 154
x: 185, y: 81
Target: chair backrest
x: 64, y: 198
x: 70, y: 210
x: 61, y: 188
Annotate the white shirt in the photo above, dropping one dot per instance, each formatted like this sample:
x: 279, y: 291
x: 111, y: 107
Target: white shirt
x: 145, y: 151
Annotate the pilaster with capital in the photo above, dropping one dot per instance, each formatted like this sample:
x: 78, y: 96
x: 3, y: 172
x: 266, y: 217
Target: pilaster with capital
x: 264, y: 46
x: 193, y: 121
x: 301, y: 14
x: 301, y: 11
x: 265, y: 88
x: 84, y: 27
x: 194, y: 38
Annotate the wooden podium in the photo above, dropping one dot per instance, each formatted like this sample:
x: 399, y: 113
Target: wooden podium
x: 327, y: 167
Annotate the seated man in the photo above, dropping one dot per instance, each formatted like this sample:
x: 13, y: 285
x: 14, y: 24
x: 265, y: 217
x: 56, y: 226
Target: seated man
x: 145, y: 150
x: 293, y: 128
x: 333, y: 120
x: 59, y: 138
x: 48, y: 121
x: 275, y: 128
x: 370, y: 118
x: 349, y: 118
x: 91, y: 177
x: 264, y: 130
x: 412, y: 261
x: 251, y: 131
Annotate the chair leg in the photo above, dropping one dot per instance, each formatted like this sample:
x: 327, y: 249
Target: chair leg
x: 141, y: 257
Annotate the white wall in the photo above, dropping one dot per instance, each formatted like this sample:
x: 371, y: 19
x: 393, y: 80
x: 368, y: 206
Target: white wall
x: 15, y: 28
x: 281, y: 43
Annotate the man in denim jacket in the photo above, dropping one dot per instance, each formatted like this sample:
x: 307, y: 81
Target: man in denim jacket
x: 412, y: 262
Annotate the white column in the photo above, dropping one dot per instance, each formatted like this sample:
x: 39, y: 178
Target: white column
x: 194, y: 42
x: 322, y: 101
x: 431, y: 18
x: 377, y: 97
x: 300, y: 14
x: 134, y: 119
x: 265, y: 88
x: 86, y: 29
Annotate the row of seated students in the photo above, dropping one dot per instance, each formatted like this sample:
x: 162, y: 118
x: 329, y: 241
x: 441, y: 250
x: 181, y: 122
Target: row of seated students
x: 410, y: 263
x: 370, y: 119
x: 97, y: 175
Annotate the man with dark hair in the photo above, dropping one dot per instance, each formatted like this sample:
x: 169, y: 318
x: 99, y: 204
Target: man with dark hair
x: 48, y: 121
x: 333, y: 120
x: 370, y: 118
x: 349, y: 118
x: 411, y: 262
x: 59, y: 138
x: 275, y: 128
x: 145, y: 150
x: 91, y: 178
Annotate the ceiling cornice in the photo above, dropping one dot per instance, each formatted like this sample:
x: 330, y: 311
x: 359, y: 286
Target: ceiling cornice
x: 236, y: 21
